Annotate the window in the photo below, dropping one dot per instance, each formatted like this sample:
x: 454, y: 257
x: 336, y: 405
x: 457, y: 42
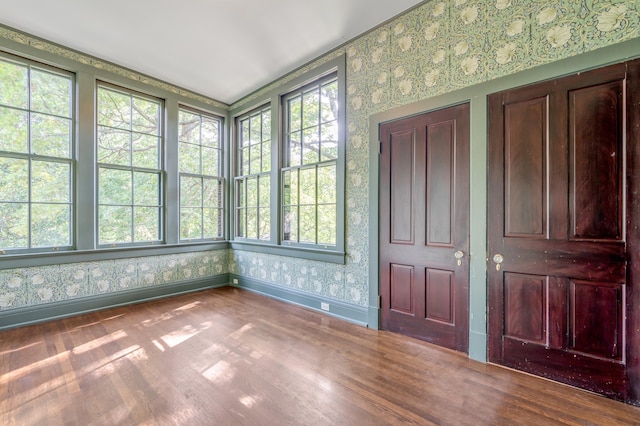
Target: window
x: 309, y: 173
x: 36, y: 154
x: 129, y: 147
x: 253, y: 181
x: 201, y: 182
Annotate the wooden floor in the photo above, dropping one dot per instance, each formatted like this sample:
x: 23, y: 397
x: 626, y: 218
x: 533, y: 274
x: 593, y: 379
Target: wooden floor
x: 228, y: 356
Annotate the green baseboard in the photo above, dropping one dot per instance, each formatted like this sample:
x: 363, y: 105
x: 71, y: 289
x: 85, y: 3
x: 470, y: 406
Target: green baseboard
x: 12, y: 318
x: 355, y: 314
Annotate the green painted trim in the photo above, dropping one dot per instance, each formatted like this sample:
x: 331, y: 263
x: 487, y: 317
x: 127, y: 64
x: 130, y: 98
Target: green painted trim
x: 477, y: 96
x: 478, y: 346
x: 347, y: 312
x: 328, y: 256
x: 80, y: 256
x: 20, y: 317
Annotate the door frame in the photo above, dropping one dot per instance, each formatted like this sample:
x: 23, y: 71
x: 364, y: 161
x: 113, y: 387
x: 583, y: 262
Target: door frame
x: 476, y: 96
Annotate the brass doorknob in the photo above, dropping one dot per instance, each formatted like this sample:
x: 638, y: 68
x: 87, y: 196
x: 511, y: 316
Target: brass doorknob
x: 498, y: 258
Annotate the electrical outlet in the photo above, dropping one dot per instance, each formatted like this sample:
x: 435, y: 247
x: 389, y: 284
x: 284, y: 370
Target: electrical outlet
x: 235, y: 281
x: 324, y: 306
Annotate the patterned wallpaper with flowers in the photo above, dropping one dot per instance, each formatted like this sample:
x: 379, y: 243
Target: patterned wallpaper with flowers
x: 436, y: 48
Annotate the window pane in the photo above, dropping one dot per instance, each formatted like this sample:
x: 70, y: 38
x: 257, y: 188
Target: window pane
x: 266, y: 126
x: 264, y: 224
x: 212, y: 193
x: 50, y: 93
x: 50, y: 135
x: 329, y: 138
x: 327, y: 228
x: 310, y: 108
x: 290, y: 182
x: 290, y: 224
x: 189, y: 158
x: 50, y: 225
x: 308, y: 186
x: 244, y: 158
x: 190, y: 191
x: 115, y: 186
x: 210, y: 132
x: 241, y: 193
x: 252, y: 223
x: 254, y: 165
x: 295, y: 114
x: 329, y: 102
x: 146, y: 189
x: 145, y: 116
x: 14, y: 225
x: 113, y: 146
x: 265, y: 193
x: 14, y: 130
x: 50, y: 182
x: 327, y: 184
x: 14, y: 86
x: 145, y: 151
x: 252, y: 192
x: 146, y: 224
x: 266, y: 156
x: 212, y: 223
x: 245, y: 135
x: 114, y: 109
x: 14, y: 180
x: 256, y: 129
x: 189, y: 127
x: 114, y: 224
x: 190, y: 223
x: 308, y: 224
x: 241, y: 221
x: 310, y: 148
x: 295, y: 149
x: 210, y: 162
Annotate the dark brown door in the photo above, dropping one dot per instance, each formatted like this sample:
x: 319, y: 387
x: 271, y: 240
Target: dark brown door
x: 558, y: 211
x: 424, y: 227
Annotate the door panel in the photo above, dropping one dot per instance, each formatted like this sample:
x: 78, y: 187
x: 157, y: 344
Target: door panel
x: 556, y: 215
x: 525, y: 144
x: 595, y: 117
x: 424, y: 204
x: 402, y: 190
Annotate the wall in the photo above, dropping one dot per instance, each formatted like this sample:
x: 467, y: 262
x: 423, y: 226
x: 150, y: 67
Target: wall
x: 438, y: 48
x: 440, y: 52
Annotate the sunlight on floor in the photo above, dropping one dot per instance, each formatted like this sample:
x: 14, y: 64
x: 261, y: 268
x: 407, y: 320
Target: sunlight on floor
x: 178, y: 336
x: 220, y: 372
x: 95, y: 343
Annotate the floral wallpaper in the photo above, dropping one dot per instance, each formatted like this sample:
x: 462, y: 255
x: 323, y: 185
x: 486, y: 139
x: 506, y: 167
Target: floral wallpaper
x: 436, y: 48
x: 33, y: 286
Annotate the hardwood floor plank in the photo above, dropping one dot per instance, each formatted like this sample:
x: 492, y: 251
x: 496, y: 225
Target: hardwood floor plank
x: 228, y: 356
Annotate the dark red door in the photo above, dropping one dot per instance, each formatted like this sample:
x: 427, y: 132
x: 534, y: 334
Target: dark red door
x: 557, y: 231
x: 424, y: 227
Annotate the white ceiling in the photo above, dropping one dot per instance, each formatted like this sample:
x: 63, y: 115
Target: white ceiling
x: 224, y: 49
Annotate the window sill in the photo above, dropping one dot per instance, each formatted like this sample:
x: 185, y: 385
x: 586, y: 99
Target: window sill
x: 10, y: 261
x: 329, y: 256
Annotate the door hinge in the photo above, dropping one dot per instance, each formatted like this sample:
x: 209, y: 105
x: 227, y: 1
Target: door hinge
x: 379, y: 301
x: 380, y: 148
